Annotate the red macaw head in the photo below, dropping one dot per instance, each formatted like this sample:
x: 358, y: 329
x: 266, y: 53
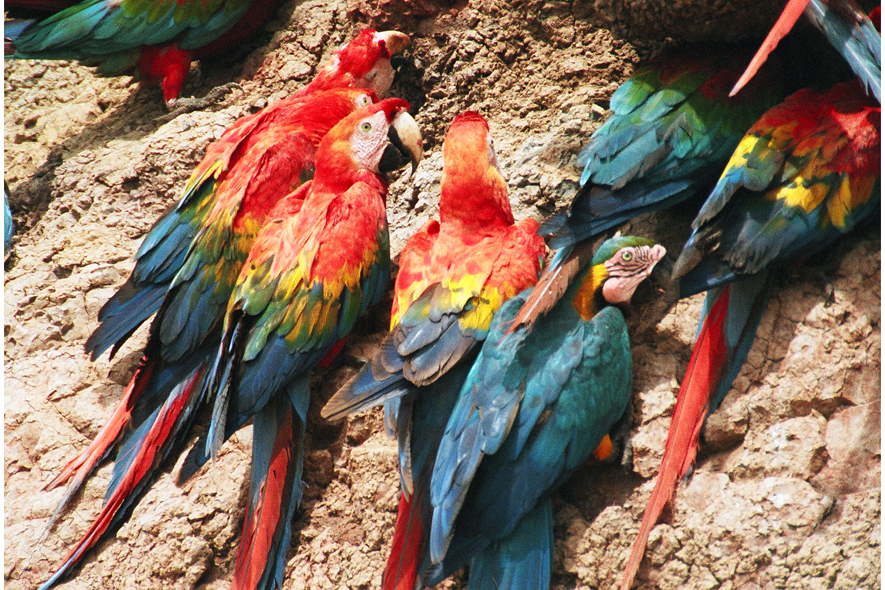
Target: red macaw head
x: 472, y: 187
x: 378, y: 138
x: 363, y: 63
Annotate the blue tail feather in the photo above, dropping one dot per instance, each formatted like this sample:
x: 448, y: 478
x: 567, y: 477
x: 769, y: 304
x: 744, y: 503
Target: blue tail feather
x: 521, y: 561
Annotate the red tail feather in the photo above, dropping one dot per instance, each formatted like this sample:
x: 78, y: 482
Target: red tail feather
x: 408, y: 544
x: 784, y: 23
x: 85, y: 462
x: 265, y: 507
x: 701, y: 379
x: 145, y: 461
x: 333, y: 353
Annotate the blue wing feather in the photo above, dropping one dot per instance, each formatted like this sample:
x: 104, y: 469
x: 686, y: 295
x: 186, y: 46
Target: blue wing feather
x: 554, y: 402
x: 855, y: 37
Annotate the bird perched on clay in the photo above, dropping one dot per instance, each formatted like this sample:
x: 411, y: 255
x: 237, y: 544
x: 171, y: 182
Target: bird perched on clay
x: 155, y: 40
x: 805, y: 174
x: 534, y: 407
x: 189, y: 260
x: 227, y: 200
x: 454, y: 274
x: 317, y: 266
x: 672, y: 128
x: 330, y: 233
x: 259, y: 159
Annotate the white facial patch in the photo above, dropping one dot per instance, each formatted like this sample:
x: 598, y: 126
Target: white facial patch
x: 379, y: 78
x: 369, y: 139
x: 627, y: 268
x: 362, y: 100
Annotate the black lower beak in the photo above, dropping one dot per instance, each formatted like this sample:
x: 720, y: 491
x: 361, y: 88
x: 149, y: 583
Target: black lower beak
x: 395, y: 155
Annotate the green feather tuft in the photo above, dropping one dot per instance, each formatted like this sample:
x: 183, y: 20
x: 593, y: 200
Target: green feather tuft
x: 612, y: 245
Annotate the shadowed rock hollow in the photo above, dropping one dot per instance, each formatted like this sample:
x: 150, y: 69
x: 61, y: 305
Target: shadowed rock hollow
x: 786, y: 493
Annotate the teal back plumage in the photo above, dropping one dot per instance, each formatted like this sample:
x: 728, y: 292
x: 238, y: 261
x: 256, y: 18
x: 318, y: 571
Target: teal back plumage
x: 535, y: 405
x: 672, y: 129
x: 107, y: 29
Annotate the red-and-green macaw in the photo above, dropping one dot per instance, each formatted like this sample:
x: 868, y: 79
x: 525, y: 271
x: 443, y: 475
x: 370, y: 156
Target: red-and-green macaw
x: 314, y: 269
x: 672, y: 128
x: 535, y: 405
x: 158, y: 39
x: 190, y: 259
x: 854, y: 35
x: 454, y: 275
x: 806, y: 173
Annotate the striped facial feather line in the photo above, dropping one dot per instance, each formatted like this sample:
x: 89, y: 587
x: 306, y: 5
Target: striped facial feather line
x: 630, y: 262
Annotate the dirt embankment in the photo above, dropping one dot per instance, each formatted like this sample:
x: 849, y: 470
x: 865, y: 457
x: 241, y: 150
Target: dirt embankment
x: 786, y: 493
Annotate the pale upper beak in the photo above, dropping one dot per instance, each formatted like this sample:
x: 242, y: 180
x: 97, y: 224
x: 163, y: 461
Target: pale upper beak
x: 395, y: 41
x: 406, y: 144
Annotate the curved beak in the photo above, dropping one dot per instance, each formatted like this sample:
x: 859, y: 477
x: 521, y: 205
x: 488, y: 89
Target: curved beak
x: 395, y: 41
x: 406, y: 144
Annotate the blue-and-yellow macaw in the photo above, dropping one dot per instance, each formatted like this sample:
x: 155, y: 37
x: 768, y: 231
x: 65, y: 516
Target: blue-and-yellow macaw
x: 536, y: 404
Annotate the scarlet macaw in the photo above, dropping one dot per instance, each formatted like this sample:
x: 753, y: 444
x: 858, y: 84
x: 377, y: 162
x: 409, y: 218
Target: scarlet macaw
x: 320, y: 262
x: 255, y: 153
x: 350, y: 157
x: 229, y: 197
x: 454, y: 275
x: 199, y: 246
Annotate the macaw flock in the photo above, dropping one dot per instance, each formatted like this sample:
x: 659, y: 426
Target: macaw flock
x: 505, y: 369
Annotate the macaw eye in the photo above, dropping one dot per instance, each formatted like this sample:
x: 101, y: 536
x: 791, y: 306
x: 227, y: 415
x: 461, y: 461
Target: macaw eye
x: 626, y: 256
x: 363, y: 100
x: 366, y: 127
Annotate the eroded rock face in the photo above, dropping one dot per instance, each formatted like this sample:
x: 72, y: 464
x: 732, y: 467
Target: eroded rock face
x: 786, y: 492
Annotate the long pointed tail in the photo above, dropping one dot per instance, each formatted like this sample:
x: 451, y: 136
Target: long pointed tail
x: 138, y: 462
x: 726, y: 333
x: 408, y: 547
x: 520, y: 561
x: 83, y: 464
x: 421, y: 420
x: 275, y: 489
x: 122, y: 314
x: 784, y: 23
